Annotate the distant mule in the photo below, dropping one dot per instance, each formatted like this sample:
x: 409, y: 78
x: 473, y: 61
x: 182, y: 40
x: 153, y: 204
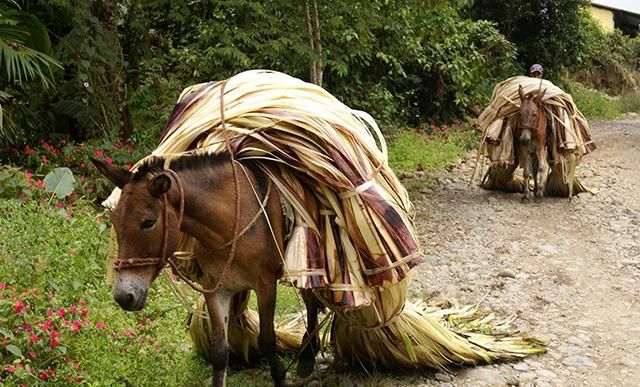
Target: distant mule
x: 531, y: 134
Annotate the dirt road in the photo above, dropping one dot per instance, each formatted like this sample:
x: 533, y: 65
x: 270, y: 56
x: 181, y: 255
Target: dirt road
x: 570, y: 271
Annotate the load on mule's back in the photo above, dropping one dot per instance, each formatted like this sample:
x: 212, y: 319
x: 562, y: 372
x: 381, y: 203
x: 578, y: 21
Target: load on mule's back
x: 532, y: 135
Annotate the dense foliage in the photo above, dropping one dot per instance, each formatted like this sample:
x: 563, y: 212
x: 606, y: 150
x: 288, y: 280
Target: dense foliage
x: 562, y: 35
x: 544, y: 31
x: 124, y: 62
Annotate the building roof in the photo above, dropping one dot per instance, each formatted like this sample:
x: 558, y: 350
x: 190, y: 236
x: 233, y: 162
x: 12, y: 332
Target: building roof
x: 630, y: 6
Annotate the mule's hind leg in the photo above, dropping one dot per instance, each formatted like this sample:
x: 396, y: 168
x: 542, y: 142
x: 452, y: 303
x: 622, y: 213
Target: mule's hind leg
x: 266, y: 294
x: 307, y: 359
x: 218, y: 306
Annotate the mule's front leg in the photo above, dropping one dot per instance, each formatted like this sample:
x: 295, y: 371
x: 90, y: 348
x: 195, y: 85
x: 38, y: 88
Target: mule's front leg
x: 266, y: 295
x: 542, y: 172
x: 526, y: 173
x: 218, y: 306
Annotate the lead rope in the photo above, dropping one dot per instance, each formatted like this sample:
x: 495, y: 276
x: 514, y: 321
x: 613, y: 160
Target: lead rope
x: 236, y: 225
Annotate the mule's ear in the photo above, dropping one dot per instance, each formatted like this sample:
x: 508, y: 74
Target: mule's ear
x: 521, y: 92
x: 117, y: 175
x: 539, y: 96
x: 160, y: 185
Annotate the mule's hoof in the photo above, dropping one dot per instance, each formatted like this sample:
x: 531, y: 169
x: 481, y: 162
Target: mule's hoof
x: 525, y: 200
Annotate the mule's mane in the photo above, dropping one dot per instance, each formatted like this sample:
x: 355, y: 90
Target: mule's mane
x: 191, y: 162
x: 195, y: 163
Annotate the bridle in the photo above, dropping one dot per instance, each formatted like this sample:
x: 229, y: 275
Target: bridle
x: 164, y: 260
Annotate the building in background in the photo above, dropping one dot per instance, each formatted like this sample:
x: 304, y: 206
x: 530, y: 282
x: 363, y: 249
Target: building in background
x: 621, y: 14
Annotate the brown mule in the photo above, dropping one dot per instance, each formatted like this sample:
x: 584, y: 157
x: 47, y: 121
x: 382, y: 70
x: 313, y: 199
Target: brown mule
x: 531, y: 134
x: 196, y: 195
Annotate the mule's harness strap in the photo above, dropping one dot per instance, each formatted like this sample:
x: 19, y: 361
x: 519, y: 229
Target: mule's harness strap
x: 163, y: 260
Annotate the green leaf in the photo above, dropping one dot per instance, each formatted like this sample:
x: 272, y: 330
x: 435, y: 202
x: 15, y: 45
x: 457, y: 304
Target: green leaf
x: 60, y: 181
x: 62, y: 349
x: 14, y: 350
x: 7, y: 334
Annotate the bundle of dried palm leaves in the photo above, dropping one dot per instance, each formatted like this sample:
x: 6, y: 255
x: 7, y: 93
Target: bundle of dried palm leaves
x: 569, y: 131
x: 353, y: 238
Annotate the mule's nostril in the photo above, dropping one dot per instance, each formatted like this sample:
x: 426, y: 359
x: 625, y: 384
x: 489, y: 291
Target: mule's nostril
x: 128, y: 298
x: 125, y: 299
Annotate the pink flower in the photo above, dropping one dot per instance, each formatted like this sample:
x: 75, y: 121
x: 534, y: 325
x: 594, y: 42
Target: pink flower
x: 49, y: 312
x: 100, y: 325
x: 54, y: 343
x: 107, y: 160
x: 73, y: 309
x: 40, y: 184
x: 28, y: 151
x: 19, y: 306
x: 50, y: 295
x: 35, y: 338
x: 44, y: 160
x: 83, y: 312
x: 10, y: 368
x: 61, y: 312
x: 98, y: 153
x: 2, y: 286
x: 32, y: 354
x: 44, y: 375
x: 29, y: 176
x: 82, y: 303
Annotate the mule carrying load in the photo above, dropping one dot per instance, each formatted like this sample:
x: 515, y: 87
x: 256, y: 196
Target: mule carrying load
x: 568, y: 136
x: 348, y: 223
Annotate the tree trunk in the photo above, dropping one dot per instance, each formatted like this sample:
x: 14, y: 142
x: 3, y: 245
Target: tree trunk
x: 316, y: 67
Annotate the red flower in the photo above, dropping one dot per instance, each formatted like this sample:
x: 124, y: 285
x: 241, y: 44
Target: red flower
x: 82, y: 303
x: 54, y: 343
x: 100, y: 325
x: 49, y: 312
x: 29, y: 176
x: 44, y: 375
x: 28, y: 151
x: 2, y: 286
x: 40, y: 184
x: 32, y: 354
x: 73, y: 309
x: 61, y: 312
x: 35, y: 338
x: 83, y: 312
x: 19, y: 307
x: 10, y: 369
x: 44, y: 160
x: 50, y: 295
x: 98, y: 153
x: 107, y: 160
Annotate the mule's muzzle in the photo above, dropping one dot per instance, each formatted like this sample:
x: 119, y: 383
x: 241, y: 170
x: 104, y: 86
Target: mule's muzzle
x: 131, y: 298
x: 525, y: 137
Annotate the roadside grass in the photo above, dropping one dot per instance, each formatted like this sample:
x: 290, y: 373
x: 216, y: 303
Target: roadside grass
x: 595, y: 104
x: 427, y: 150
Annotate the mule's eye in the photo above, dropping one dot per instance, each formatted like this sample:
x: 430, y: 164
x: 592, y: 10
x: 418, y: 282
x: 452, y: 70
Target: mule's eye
x: 148, y: 224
